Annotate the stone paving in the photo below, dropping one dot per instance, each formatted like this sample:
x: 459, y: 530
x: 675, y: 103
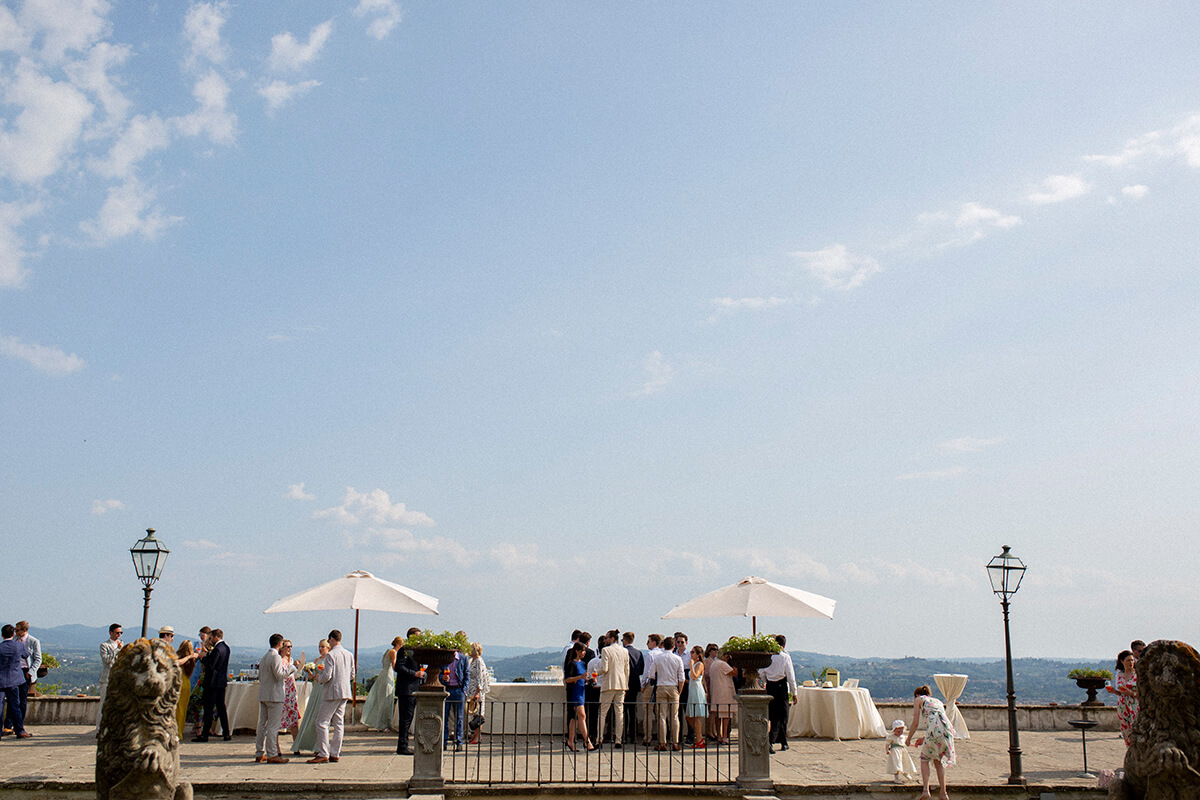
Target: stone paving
x: 66, y: 754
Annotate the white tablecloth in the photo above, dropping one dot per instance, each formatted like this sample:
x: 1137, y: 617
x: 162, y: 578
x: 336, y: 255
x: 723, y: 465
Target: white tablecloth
x: 952, y: 686
x: 835, y: 714
x: 241, y: 703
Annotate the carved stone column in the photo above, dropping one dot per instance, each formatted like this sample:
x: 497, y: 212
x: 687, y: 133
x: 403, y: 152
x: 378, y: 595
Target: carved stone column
x: 427, y: 746
x: 754, y: 751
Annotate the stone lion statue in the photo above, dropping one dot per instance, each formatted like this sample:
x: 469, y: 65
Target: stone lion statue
x: 137, y: 751
x: 1163, y: 758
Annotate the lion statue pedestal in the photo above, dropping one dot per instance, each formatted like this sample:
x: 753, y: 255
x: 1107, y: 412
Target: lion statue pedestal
x: 1163, y: 759
x: 137, y: 750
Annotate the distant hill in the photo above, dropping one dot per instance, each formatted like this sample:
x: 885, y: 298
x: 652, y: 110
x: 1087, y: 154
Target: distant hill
x: 1038, y: 680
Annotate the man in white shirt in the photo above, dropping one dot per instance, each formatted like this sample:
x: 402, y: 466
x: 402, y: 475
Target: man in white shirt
x: 331, y: 720
x: 614, y: 680
x: 272, y: 676
x: 648, y: 715
x: 780, y: 676
x: 108, y: 656
x: 668, y: 676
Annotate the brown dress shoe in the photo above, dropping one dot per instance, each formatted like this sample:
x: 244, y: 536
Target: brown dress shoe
x: 277, y: 760
x: 333, y: 759
x: 318, y: 760
x: 259, y: 759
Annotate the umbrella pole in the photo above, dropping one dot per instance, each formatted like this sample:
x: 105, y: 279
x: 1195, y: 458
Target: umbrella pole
x: 354, y: 680
x: 754, y: 626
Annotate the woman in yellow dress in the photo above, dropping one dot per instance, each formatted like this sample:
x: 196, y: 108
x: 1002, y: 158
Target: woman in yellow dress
x: 187, y: 662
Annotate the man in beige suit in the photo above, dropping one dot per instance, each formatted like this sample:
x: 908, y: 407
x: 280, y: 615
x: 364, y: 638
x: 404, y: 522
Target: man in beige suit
x: 272, y: 674
x: 336, y: 677
x: 614, y: 680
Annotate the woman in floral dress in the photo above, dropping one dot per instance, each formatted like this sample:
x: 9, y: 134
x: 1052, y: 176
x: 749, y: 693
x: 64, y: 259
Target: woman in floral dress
x: 1126, y: 692
x: 291, y: 706
x: 938, y: 742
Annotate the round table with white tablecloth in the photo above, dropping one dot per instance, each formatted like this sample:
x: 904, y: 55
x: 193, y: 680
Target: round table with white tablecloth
x: 952, y: 685
x: 241, y: 703
x: 835, y: 714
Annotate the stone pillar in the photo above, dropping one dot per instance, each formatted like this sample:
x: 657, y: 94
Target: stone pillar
x: 754, y: 751
x: 428, y: 726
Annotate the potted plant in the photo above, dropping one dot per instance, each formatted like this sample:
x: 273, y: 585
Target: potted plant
x: 435, y: 650
x: 1092, y: 680
x: 750, y: 654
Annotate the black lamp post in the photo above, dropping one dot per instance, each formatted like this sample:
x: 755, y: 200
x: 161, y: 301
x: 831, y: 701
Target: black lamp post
x: 1005, y: 572
x: 149, y: 555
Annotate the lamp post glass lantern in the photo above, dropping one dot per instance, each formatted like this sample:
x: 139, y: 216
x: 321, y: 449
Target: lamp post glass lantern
x: 1005, y: 572
x: 149, y: 556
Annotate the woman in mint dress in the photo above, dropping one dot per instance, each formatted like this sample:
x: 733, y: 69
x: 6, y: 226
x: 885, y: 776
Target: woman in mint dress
x: 306, y: 734
x: 938, y: 743
x: 377, y: 710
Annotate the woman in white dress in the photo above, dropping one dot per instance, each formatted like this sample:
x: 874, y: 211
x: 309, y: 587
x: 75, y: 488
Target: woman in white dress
x: 377, y: 710
x: 478, y: 683
x: 306, y: 734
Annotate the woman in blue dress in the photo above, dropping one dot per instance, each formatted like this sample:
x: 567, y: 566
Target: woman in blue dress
x: 696, y: 710
x: 574, y: 679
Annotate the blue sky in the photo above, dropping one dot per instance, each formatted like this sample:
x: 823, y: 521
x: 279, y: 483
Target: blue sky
x: 565, y: 314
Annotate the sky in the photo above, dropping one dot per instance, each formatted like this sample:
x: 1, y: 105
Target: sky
x: 566, y: 313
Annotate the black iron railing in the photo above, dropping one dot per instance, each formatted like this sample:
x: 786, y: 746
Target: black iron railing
x: 525, y: 743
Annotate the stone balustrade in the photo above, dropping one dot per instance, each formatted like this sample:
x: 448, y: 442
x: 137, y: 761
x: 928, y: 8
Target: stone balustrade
x: 82, y: 711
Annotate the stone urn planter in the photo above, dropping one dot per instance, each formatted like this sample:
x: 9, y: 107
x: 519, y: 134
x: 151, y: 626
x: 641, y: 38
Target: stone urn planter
x: 1091, y: 685
x: 434, y: 659
x: 750, y: 662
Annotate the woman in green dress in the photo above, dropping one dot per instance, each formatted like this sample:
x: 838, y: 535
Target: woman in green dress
x: 306, y: 734
x: 377, y: 710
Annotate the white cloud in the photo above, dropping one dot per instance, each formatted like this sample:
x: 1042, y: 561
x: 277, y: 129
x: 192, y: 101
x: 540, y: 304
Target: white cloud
x: 729, y: 305
x: 12, y: 254
x: 104, y: 506
x: 125, y: 212
x: 1136, y: 192
x: 658, y: 374
x: 202, y: 29
x: 526, y: 558
x: 974, y: 214
x: 296, y: 492
x: 44, y: 359
x: 279, y: 93
x: 386, y: 16
x: 932, y: 475
x: 375, y: 506
x: 47, y: 128
x: 64, y: 26
x: 398, y: 545
x: 144, y: 135
x: 91, y: 75
x: 837, y: 268
x: 213, y: 116
x: 1057, y: 188
x: 288, y: 54
x: 787, y: 564
x: 969, y: 444
x: 200, y: 544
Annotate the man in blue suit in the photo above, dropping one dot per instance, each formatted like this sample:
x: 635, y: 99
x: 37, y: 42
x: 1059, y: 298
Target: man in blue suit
x: 216, y: 666
x: 12, y: 677
x: 409, y: 675
x: 456, y: 685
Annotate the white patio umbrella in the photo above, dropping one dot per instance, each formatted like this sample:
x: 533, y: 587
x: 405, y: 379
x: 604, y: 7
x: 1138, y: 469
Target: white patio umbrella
x: 358, y: 590
x: 755, y: 597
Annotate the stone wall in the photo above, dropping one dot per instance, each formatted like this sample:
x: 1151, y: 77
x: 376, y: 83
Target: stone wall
x: 1029, y: 718
x: 62, y: 710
